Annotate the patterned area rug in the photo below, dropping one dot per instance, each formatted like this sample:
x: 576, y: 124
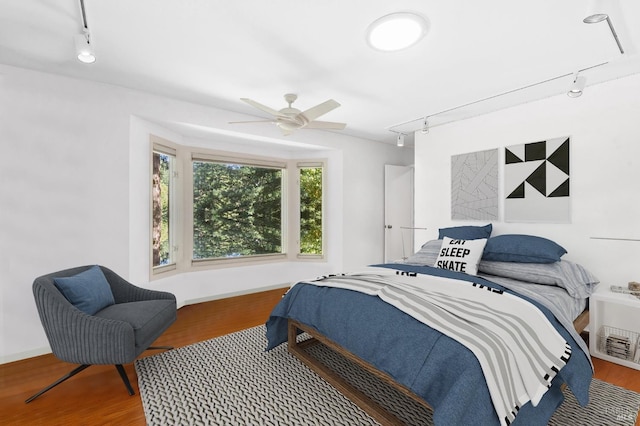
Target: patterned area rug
x: 231, y: 380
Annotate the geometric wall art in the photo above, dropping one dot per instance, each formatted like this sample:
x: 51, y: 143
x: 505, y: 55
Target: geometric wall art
x: 536, y: 182
x: 474, y: 185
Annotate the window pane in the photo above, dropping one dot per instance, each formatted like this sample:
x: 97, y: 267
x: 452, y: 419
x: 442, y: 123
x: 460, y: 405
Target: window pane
x: 311, y: 210
x: 237, y: 210
x: 163, y: 166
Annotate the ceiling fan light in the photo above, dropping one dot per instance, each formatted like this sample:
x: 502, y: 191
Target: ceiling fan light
x: 396, y: 31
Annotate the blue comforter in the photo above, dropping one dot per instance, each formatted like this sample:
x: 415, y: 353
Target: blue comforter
x: 435, y: 367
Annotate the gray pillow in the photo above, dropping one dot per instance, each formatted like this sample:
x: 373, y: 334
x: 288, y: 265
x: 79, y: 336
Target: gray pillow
x: 427, y: 255
x: 574, y: 278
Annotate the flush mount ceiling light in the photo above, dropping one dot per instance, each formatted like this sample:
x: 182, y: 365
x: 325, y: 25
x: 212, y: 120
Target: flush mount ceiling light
x: 596, y: 13
x: 84, y: 48
x: 576, y: 86
x: 396, y: 31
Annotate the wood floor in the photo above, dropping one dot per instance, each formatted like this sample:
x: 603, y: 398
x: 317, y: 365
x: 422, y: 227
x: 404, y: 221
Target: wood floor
x: 97, y: 395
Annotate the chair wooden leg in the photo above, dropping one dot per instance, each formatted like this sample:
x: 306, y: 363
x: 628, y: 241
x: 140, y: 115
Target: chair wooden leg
x: 57, y: 382
x: 125, y: 379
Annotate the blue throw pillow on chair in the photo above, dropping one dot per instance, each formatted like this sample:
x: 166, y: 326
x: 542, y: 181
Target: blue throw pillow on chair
x: 88, y: 291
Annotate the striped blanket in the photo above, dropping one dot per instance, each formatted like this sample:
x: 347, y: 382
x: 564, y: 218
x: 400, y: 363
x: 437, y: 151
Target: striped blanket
x: 519, y: 351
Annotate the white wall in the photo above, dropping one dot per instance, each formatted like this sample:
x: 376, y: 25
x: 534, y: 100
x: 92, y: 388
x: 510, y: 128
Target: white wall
x: 74, y: 190
x: 604, y: 125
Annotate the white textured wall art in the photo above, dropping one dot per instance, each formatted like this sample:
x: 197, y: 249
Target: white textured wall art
x: 474, y: 185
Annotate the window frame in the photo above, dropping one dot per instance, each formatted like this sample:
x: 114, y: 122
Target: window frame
x: 166, y: 147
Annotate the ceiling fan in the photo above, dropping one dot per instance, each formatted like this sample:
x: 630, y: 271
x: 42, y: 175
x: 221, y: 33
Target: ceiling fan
x: 290, y: 119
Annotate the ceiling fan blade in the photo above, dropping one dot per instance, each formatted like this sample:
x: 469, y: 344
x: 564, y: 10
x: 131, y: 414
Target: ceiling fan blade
x: 264, y: 108
x: 325, y: 125
x: 252, y: 121
x: 320, y: 109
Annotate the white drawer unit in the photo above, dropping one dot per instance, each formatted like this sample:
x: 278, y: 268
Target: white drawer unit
x: 614, y: 326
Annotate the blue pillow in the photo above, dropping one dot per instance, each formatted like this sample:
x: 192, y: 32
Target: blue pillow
x: 466, y: 232
x: 522, y: 248
x: 88, y: 291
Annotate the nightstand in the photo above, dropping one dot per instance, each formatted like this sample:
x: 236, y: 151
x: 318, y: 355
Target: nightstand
x: 614, y: 326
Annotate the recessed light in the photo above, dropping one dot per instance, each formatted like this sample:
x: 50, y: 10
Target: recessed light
x: 396, y: 31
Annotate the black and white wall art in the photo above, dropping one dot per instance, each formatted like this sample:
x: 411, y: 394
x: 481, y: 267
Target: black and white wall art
x: 474, y: 185
x: 536, y: 182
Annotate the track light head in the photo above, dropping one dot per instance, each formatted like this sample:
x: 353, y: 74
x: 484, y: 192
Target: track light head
x: 400, y: 140
x: 577, y: 86
x: 596, y: 12
x: 84, y: 49
x: 595, y: 18
x: 425, y: 125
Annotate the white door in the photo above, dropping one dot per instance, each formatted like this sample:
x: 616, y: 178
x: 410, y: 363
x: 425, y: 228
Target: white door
x: 398, y: 212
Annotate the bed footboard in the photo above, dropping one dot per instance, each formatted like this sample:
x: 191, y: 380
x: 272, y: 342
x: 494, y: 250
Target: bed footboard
x: 352, y: 393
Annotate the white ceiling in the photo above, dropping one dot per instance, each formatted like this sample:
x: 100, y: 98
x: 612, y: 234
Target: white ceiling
x: 215, y: 52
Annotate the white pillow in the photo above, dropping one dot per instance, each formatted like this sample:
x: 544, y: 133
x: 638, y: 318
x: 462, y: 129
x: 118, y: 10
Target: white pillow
x: 460, y: 255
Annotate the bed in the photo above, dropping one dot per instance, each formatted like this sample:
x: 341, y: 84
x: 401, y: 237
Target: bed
x: 423, y: 361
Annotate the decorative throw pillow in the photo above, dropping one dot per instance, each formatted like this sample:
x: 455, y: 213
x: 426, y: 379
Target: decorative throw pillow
x: 576, y: 279
x: 427, y: 254
x: 522, y: 248
x: 466, y: 232
x: 460, y: 255
x: 88, y: 291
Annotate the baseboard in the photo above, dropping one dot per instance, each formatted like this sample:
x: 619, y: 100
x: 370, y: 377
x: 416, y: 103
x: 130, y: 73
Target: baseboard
x: 5, y: 359
x: 233, y: 294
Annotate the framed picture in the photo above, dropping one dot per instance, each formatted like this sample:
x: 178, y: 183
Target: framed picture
x: 537, y: 182
x: 474, y: 185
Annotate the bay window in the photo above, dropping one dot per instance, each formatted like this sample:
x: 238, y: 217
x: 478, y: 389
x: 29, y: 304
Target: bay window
x: 235, y: 208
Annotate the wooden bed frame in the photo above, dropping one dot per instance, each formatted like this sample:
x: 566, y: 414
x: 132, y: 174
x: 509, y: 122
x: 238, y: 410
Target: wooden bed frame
x: 368, y: 405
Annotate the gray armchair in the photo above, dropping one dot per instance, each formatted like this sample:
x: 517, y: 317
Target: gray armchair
x: 115, y: 335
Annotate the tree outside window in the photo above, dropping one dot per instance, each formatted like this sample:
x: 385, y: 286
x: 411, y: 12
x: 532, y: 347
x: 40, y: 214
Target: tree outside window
x: 311, y: 210
x: 237, y: 210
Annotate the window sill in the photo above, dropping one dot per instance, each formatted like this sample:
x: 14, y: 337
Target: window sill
x: 232, y: 262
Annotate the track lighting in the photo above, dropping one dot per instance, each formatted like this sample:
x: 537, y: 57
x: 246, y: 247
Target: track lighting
x: 576, y: 86
x: 425, y: 125
x: 84, y: 48
x: 596, y: 13
x: 400, y: 140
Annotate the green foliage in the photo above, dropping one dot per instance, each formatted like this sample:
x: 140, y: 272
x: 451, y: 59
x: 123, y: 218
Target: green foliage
x: 237, y: 210
x: 311, y: 210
